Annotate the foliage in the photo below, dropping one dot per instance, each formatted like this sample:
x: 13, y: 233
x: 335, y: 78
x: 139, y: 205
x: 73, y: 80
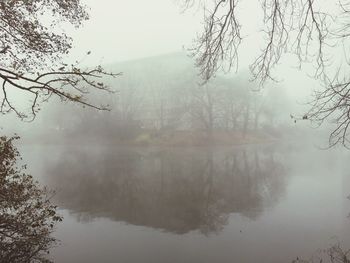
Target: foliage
x: 27, y: 217
x: 32, y: 48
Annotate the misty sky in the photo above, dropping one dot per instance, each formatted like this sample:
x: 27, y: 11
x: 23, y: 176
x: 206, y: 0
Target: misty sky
x: 122, y: 30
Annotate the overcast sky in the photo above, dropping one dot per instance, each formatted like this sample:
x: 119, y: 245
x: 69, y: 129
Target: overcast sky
x: 122, y: 30
x: 125, y: 30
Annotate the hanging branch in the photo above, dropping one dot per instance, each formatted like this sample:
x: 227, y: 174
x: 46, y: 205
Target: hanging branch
x: 32, y: 52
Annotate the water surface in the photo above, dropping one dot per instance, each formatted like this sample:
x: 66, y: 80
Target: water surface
x: 263, y: 203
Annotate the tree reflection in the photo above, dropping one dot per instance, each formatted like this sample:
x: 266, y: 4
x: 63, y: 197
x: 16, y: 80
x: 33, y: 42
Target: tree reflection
x: 27, y: 217
x: 176, y: 190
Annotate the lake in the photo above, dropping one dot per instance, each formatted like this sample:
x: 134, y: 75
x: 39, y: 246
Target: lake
x: 257, y: 203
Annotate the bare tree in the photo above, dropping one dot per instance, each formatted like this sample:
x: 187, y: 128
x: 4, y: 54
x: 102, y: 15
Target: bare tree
x: 289, y: 26
x: 232, y: 107
x: 313, y: 31
x: 32, y: 53
x: 203, y: 108
x: 129, y: 101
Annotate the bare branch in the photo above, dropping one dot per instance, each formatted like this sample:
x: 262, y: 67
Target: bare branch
x: 220, y: 39
x: 67, y: 85
x: 304, y: 28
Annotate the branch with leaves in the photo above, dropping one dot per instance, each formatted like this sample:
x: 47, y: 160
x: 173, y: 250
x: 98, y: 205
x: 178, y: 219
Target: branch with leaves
x: 68, y: 85
x: 32, y: 53
x: 27, y: 217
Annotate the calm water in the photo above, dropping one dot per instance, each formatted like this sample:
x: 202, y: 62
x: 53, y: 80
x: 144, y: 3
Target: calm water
x: 241, y: 204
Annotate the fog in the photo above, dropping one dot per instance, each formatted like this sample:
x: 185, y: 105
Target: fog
x: 178, y: 169
x: 161, y: 101
x: 126, y: 36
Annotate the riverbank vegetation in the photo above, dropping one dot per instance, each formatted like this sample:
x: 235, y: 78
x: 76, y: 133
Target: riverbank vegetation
x: 27, y: 217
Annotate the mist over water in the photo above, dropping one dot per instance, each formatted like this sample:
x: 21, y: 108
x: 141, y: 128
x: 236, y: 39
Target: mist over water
x: 157, y: 155
x: 266, y: 203
x: 181, y: 172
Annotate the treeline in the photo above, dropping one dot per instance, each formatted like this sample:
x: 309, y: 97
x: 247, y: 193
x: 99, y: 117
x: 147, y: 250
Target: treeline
x: 183, y: 104
x: 164, y: 94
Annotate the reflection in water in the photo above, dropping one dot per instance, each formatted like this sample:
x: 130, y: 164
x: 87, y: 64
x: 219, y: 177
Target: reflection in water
x: 175, y: 190
x: 27, y: 217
